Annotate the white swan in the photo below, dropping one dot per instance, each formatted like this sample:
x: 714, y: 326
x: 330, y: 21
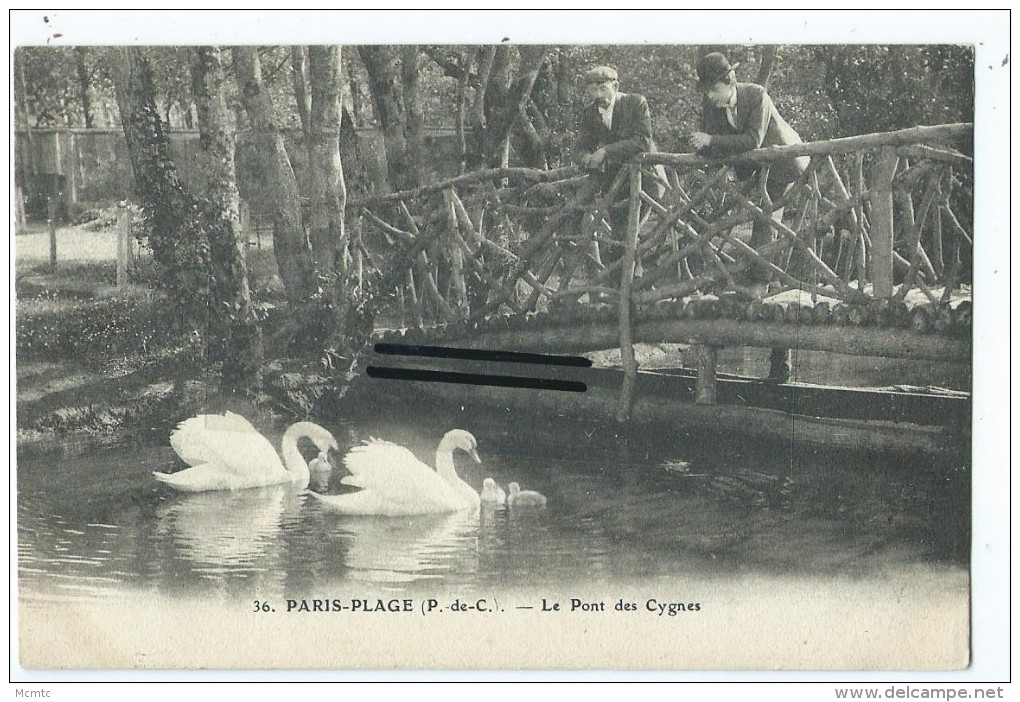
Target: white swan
x: 394, y: 482
x: 226, y: 452
x: 492, y: 492
x: 524, y: 498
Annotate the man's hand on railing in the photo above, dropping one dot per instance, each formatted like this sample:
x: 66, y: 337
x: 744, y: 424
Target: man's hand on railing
x: 594, y: 159
x: 699, y: 140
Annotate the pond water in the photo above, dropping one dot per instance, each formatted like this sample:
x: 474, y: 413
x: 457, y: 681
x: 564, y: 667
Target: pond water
x: 624, y: 506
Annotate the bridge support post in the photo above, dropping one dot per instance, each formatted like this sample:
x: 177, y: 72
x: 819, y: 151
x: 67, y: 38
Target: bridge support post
x: 626, y: 287
x: 705, y: 390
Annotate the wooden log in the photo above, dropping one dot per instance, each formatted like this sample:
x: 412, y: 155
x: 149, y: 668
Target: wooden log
x: 855, y: 341
x: 412, y: 292
x: 943, y: 320
x: 538, y: 287
x: 851, y: 204
x: 955, y: 226
x: 824, y: 270
x: 917, y: 253
x: 706, y: 390
x: 922, y: 318
x: 531, y: 247
x: 944, y: 155
x: 822, y: 313
x: 963, y: 316
x: 882, y: 226
x: 626, y: 285
x: 860, y: 315
x: 787, y: 278
x: 841, y: 315
x: 680, y: 289
x: 386, y: 227
x: 906, y: 179
x: 945, y: 133
x: 936, y: 240
x: 705, y: 307
x: 699, y: 198
x: 490, y: 174
x: 898, y: 314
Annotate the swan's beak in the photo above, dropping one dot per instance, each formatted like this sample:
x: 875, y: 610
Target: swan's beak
x: 474, y: 456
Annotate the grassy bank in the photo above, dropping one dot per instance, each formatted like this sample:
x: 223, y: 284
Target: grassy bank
x: 95, y: 358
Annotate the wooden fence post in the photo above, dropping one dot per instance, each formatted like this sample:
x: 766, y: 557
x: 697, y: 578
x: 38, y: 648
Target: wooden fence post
x: 882, y: 223
x: 19, y: 205
x: 626, y: 286
x: 123, y: 243
x: 705, y: 391
x: 51, y: 224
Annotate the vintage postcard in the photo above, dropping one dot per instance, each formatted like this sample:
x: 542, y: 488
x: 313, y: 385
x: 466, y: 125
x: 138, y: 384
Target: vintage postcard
x: 508, y: 351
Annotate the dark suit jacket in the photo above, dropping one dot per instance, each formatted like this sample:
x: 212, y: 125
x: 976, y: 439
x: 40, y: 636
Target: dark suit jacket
x: 631, y: 134
x: 758, y: 124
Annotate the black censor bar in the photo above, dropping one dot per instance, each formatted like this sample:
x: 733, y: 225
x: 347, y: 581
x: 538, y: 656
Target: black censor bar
x: 503, y: 381
x: 482, y: 355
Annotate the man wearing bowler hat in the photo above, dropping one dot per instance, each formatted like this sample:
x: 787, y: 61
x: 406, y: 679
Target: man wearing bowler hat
x: 739, y: 117
x: 613, y: 127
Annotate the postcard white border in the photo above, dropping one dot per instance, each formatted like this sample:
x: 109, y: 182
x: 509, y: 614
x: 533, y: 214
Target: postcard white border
x: 988, y: 31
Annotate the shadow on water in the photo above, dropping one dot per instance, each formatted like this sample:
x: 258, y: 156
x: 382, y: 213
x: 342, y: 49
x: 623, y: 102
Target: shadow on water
x: 624, y: 503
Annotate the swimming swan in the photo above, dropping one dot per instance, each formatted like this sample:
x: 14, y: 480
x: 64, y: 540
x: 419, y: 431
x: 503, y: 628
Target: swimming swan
x: 226, y: 452
x: 492, y: 492
x: 394, y: 482
x: 524, y: 498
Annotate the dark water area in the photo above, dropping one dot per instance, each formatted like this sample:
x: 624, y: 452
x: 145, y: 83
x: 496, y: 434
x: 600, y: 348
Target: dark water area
x: 624, y: 505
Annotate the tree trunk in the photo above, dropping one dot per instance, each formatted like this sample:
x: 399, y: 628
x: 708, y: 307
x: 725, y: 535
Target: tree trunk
x: 414, y: 121
x: 303, y: 99
x: 293, y: 257
x: 474, y: 154
x: 388, y: 97
x: 83, y: 85
x: 467, y: 58
x: 502, y: 115
x: 299, y: 78
x: 178, y: 246
x: 531, y: 145
x: 328, y: 194
x: 768, y: 62
x: 236, y: 327
x: 332, y: 246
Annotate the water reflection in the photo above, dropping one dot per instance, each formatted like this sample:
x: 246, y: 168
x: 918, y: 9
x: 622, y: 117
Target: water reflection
x: 622, y: 505
x: 405, y: 549
x: 222, y: 532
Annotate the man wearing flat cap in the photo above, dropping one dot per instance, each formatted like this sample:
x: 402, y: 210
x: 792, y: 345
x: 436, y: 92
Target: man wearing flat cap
x: 612, y: 127
x: 740, y: 117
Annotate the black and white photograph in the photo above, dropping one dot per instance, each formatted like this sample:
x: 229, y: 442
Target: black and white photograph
x: 514, y: 353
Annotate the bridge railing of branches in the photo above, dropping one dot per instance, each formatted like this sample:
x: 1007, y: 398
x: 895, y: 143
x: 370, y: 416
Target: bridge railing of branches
x: 877, y: 227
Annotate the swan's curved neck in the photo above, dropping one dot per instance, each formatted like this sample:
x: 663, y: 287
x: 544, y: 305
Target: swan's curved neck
x: 444, y: 463
x: 293, y: 461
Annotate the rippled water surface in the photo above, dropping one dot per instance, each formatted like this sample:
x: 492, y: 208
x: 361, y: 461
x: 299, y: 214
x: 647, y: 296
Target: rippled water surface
x: 623, y: 507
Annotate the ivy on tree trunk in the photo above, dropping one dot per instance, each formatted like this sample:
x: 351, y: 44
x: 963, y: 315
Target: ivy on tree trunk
x: 180, y: 249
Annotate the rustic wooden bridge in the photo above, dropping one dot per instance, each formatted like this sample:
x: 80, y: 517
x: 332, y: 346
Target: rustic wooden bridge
x: 871, y: 257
